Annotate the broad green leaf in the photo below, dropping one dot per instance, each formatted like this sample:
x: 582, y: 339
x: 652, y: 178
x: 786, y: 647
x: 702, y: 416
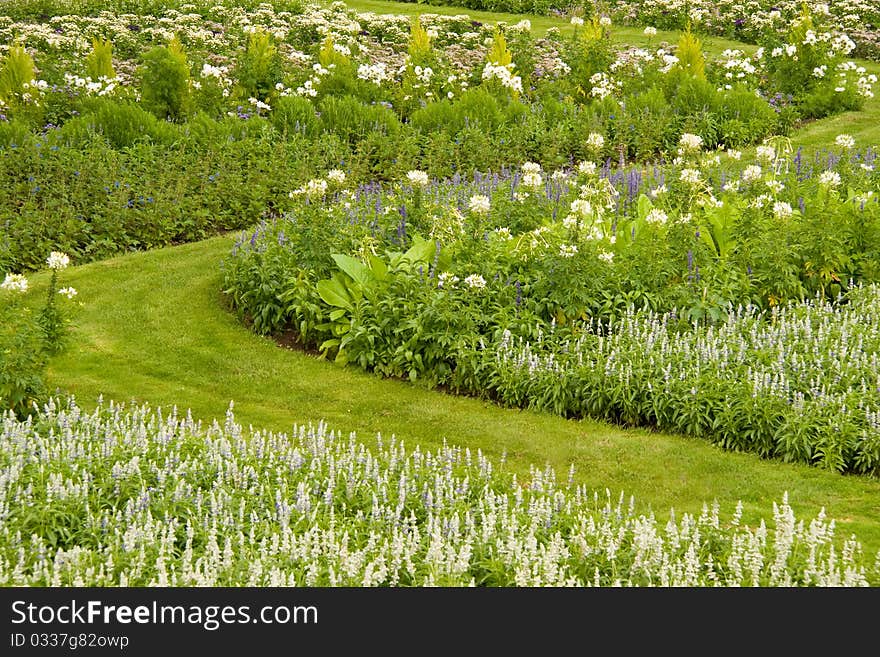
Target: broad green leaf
x: 644, y: 206
x: 421, y: 251
x: 334, y: 293
x: 378, y: 267
x: 358, y: 271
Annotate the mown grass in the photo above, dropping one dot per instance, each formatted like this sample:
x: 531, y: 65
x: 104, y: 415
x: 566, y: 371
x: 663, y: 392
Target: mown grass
x: 153, y: 327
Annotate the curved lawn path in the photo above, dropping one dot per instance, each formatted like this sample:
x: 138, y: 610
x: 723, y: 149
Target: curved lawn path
x: 153, y: 327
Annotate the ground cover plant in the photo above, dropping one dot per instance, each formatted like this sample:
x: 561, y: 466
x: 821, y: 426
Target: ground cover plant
x: 564, y: 224
x: 175, y: 503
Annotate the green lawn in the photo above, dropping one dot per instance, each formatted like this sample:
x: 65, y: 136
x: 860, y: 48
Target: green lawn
x: 153, y: 327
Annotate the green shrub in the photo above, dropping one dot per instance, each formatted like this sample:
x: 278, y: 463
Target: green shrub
x: 165, y: 81
x: 16, y: 72
x: 258, y: 68
x: 99, y: 63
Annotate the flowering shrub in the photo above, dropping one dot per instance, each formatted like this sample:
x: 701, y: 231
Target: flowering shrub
x: 134, y: 496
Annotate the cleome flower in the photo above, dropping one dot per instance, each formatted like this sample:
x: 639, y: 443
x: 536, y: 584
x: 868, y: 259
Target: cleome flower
x: 417, y: 178
x: 475, y: 282
x: 479, y: 204
x: 845, y: 141
x: 830, y: 179
x: 14, y: 283
x: 57, y: 260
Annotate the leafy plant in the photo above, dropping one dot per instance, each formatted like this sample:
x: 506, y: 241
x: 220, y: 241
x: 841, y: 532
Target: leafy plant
x: 165, y: 81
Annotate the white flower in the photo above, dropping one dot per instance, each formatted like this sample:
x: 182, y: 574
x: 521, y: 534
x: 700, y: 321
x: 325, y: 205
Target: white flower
x: 567, y: 250
x: 587, y: 168
x: 524, y: 25
x: 417, y: 178
x: 475, y: 282
x: 14, y: 283
x: 605, y: 21
x: 531, y: 167
x: 690, y: 176
x: 57, y: 260
x: 752, y: 173
x: 336, y: 176
x: 479, y: 204
x: 570, y: 222
x: 533, y: 180
x: 734, y: 154
x: 577, y: 21
x: 690, y: 142
x: 656, y: 216
x: 774, y: 186
x: 69, y: 292
x: 606, y: 256
x: 595, y: 141
x: 504, y: 233
x: 650, y: 31
x: 845, y: 141
x: 830, y: 179
x: 582, y: 207
x: 659, y: 190
x: 782, y: 210
x: 316, y: 188
x: 765, y: 153
x: 446, y: 279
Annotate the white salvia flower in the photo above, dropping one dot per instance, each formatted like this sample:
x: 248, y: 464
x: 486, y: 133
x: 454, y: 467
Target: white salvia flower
x: 752, y: 173
x: 595, y: 141
x: 57, y: 260
x: 690, y: 142
x: 446, y: 279
x: 14, y: 283
x: 417, y: 178
x: 336, y: 176
x: 479, y: 204
x: 606, y: 256
x: 845, y: 141
x: 690, y: 176
x: 577, y: 21
x: 656, y: 216
x: 782, y: 210
x: 69, y: 292
x: 830, y: 179
x: 475, y: 282
x: 650, y: 31
x: 567, y: 250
